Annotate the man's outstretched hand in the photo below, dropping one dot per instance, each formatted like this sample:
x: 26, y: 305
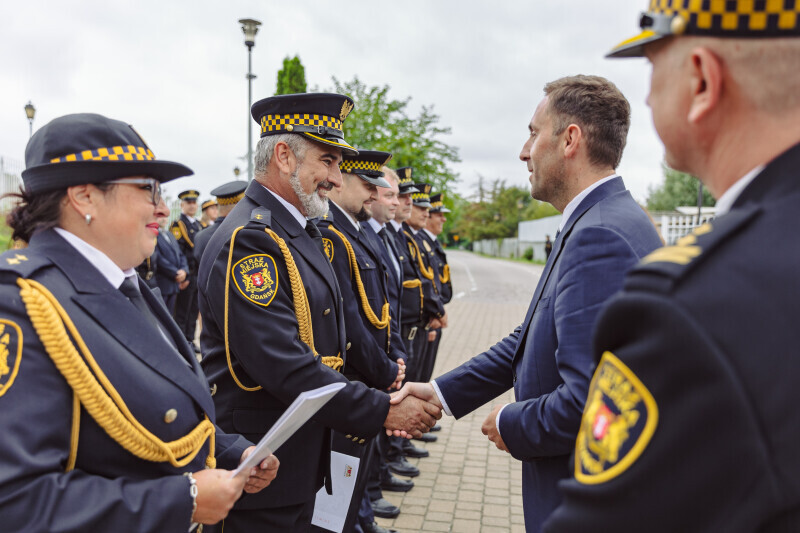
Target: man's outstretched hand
x: 414, y: 396
x: 410, y: 416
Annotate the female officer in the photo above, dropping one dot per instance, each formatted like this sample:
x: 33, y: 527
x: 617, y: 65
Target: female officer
x: 107, y: 420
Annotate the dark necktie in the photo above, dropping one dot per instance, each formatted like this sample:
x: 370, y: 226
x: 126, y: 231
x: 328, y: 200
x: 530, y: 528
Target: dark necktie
x: 391, y: 249
x: 131, y: 291
x: 316, y: 236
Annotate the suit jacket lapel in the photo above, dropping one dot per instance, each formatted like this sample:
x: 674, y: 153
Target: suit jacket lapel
x: 607, y: 189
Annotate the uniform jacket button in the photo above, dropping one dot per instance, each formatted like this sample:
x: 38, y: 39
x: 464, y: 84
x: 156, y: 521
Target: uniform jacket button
x: 326, y: 312
x: 170, y: 416
x: 347, y: 347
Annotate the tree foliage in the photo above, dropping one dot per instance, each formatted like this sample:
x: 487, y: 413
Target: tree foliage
x: 380, y: 122
x: 677, y: 189
x: 497, y: 211
x: 292, y: 77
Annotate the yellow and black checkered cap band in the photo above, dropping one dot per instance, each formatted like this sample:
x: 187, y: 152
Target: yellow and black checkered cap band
x: 735, y: 18
x: 112, y: 153
x: 716, y: 18
x: 230, y: 200
x: 420, y: 197
x: 436, y: 205
x: 370, y: 168
x: 208, y: 203
x: 301, y: 123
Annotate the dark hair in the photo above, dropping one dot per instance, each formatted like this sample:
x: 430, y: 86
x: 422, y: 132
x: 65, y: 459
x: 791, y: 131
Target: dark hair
x: 34, y: 213
x: 598, y: 108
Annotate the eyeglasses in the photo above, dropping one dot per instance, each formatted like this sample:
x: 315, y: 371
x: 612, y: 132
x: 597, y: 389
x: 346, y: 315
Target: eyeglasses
x: 153, y: 184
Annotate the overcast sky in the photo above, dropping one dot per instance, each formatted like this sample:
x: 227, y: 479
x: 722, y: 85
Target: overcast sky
x: 176, y: 70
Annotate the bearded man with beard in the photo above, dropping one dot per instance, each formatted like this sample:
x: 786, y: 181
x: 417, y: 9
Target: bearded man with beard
x: 262, y: 277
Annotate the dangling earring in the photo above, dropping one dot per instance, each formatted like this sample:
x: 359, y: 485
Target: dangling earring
x: 88, y: 218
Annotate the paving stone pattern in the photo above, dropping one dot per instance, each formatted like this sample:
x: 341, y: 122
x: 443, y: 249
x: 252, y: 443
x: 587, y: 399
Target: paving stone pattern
x: 467, y: 485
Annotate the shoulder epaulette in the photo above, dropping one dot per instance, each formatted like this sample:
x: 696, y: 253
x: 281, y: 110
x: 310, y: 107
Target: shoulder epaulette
x: 261, y: 215
x: 22, y: 262
x: 662, y: 268
x: 327, y: 218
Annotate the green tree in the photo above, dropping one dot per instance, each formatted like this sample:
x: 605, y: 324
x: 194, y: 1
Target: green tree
x: 380, y: 122
x: 292, y: 77
x: 677, y: 189
x: 498, y: 211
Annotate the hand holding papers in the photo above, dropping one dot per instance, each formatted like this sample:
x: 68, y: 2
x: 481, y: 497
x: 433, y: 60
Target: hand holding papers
x: 302, y: 408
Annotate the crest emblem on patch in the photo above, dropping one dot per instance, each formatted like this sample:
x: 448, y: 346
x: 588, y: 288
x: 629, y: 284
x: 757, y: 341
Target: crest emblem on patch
x: 10, y: 353
x: 618, y: 422
x: 348, y: 470
x: 256, y: 278
x: 176, y: 232
x: 327, y: 244
x: 346, y: 108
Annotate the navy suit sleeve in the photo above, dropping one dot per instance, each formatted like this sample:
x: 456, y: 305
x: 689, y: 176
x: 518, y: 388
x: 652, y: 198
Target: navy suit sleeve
x: 167, y: 264
x: 593, y: 265
x: 480, y: 379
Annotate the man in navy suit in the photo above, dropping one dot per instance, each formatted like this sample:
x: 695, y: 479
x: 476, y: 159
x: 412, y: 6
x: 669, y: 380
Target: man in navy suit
x: 576, y: 139
x: 171, y: 269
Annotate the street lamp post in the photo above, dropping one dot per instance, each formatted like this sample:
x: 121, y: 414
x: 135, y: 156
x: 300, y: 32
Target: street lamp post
x: 236, y: 172
x: 250, y: 28
x: 30, y: 111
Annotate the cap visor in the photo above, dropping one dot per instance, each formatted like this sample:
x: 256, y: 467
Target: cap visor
x: 375, y: 180
x: 333, y: 141
x: 53, y: 176
x: 408, y: 189
x: 634, y: 47
x: 422, y: 204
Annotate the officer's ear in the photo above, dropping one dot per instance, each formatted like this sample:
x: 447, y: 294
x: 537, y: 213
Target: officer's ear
x: 82, y: 199
x: 284, y: 158
x: 706, y: 78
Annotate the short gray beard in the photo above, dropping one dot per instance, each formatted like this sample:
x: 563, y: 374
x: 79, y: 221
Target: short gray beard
x: 314, y: 205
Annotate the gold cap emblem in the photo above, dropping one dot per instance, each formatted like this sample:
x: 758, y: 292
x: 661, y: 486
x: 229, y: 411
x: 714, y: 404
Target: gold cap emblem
x: 346, y: 108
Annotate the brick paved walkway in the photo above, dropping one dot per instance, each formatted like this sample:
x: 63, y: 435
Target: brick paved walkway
x: 467, y: 485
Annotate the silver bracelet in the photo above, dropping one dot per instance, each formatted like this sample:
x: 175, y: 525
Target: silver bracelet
x: 192, y: 490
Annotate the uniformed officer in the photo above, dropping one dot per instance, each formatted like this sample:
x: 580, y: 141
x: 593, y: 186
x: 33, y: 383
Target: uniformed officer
x: 438, y: 260
x: 209, y: 212
x: 108, y: 424
x: 272, y: 311
x: 227, y: 196
x: 419, y: 302
x: 185, y: 229
x: 691, y: 418
x: 375, y: 353
x: 421, y: 248
x: 147, y: 269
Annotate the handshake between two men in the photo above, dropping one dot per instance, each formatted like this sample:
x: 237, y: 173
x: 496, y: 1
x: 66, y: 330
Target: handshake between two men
x: 412, y: 411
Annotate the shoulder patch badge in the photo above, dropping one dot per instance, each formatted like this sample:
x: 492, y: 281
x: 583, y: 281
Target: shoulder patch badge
x: 618, y: 422
x: 176, y: 231
x: 256, y: 277
x: 328, y: 245
x: 10, y: 353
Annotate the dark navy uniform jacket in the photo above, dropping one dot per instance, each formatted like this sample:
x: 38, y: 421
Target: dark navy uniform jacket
x: 109, y: 489
x: 394, y: 283
x: 439, y: 261
x: 265, y: 346
x: 202, y: 238
x: 185, y: 230
x: 418, y: 304
x: 170, y: 260
x: 704, y: 346
x: 548, y: 358
x: 371, y: 356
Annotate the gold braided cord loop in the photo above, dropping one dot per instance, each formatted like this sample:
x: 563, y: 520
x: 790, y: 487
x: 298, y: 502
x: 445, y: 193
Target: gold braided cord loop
x: 302, y: 310
x: 444, y: 277
x: 96, y: 393
x: 427, y: 272
x: 184, y: 233
x: 75, y: 433
x: 385, y: 319
x: 414, y: 284
x: 225, y: 318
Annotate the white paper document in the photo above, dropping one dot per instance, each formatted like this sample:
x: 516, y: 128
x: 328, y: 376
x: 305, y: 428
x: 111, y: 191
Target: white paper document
x: 330, y: 511
x: 303, y: 407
